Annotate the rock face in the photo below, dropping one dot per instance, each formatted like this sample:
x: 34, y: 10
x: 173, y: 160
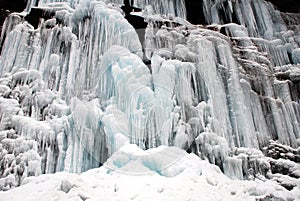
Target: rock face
x: 79, y: 79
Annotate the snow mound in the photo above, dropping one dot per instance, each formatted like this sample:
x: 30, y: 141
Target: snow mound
x: 165, y: 161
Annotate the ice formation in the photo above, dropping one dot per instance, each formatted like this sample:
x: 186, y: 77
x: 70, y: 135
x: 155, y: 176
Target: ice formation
x: 82, y: 85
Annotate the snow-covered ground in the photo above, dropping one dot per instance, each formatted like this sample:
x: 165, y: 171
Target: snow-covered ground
x: 163, y: 173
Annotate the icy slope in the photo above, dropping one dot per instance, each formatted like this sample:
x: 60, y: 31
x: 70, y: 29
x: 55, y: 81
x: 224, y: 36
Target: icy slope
x: 164, y: 173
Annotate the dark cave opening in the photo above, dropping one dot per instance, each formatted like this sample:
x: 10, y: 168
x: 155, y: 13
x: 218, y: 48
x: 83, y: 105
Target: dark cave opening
x: 36, y: 14
x: 195, y: 14
x: 289, y: 6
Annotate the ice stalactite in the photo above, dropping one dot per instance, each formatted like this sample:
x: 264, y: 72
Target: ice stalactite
x: 167, y: 8
x: 125, y: 81
x: 262, y: 21
x: 241, y: 12
x: 206, y: 67
x: 238, y: 109
x: 96, y: 33
x: 86, y: 140
x: 10, y: 22
x: 139, y: 108
x: 61, y: 56
x: 34, y: 128
x: 54, y: 54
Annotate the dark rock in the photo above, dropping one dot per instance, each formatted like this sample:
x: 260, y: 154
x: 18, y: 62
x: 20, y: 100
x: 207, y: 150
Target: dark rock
x: 276, y: 150
x: 270, y: 198
x: 195, y: 14
x: 13, y: 6
x: 7, y: 7
x: 36, y: 14
x: 284, y: 167
x: 291, y: 6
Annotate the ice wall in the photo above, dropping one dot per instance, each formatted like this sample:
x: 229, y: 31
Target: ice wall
x: 76, y: 89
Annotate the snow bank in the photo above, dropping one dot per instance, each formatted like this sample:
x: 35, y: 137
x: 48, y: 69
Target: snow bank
x: 133, y: 174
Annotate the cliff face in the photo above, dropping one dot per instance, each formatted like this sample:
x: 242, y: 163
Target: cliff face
x: 78, y: 81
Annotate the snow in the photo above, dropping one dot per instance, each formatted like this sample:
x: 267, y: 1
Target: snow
x: 163, y: 173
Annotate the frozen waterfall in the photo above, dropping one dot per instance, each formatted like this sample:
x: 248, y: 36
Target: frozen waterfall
x: 80, y: 86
